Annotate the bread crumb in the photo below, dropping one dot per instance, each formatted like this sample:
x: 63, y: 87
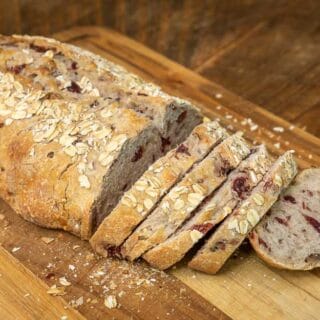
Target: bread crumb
x: 63, y: 281
x: 15, y: 249
x: 277, y: 145
x: 47, y: 240
x: 278, y: 129
x: 110, y: 302
x: 72, y: 267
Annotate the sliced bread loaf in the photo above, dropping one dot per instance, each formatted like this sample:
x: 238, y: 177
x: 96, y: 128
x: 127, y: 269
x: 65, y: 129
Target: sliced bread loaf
x: 288, y: 236
x: 65, y: 71
x: 234, y: 229
x: 80, y: 145
x: 141, y: 199
x: 185, y: 196
x: 212, y: 211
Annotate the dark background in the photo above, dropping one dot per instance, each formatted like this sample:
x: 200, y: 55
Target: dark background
x: 266, y: 51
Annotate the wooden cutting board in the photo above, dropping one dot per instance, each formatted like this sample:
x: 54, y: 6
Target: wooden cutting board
x: 32, y: 259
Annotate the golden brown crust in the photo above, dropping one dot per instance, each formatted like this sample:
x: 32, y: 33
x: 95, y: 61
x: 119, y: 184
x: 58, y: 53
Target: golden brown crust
x: 231, y: 233
x: 249, y: 172
x: 139, y: 201
x: 185, y: 196
x: 63, y: 188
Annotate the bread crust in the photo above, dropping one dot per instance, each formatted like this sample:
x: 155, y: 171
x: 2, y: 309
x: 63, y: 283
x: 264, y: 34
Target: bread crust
x: 232, y: 232
x: 140, y: 200
x: 51, y: 176
x: 180, y: 202
x: 249, y: 173
x: 306, y: 177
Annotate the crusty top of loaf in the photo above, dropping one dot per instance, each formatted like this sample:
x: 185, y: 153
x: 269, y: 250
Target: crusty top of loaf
x: 120, y: 75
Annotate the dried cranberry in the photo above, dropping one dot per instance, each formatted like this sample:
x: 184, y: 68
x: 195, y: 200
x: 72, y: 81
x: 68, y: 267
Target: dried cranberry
x: 305, y: 206
x: 183, y: 149
x: 290, y: 199
x: 50, y: 155
x: 164, y: 143
x: 203, y: 228
x: 182, y: 116
x: 267, y: 185
x: 312, y: 221
x: 50, y: 275
x: 219, y: 245
x: 17, y: 69
x: 252, y: 235
x: 240, y: 187
x: 74, y: 87
x: 137, y: 155
x: 281, y: 221
x: 263, y: 243
x: 40, y: 49
x: 74, y: 65
x: 114, y: 251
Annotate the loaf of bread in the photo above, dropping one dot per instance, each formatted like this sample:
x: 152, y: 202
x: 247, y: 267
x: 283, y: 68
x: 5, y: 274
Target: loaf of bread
x: 140, y: 200
x: 184, y: 198
x: 213, y: 210
x: 289, y: 234
x: 235, y: 228
x: 77, y: 131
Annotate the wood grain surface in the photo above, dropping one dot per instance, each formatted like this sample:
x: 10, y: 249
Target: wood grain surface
x: 246, y: 289
x: 265, y: 51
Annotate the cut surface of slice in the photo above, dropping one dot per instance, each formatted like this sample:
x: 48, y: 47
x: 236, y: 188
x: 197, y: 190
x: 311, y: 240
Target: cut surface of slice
x: 185, y: 196
x: 140, y: 200
x: 213, y: 210
x: 234, y: 229
x: 288, y: 236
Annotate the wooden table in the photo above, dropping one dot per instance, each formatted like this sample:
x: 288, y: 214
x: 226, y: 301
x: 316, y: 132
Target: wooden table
x: 246, y: 289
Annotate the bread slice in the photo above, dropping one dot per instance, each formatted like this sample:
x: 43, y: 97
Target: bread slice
x: 141, y: 199
x: 289, y: 234
x: 182, y: 199
x: 212, y: 211
x: 68, y: 71
x: 231, y: 233
x: 109, y: 133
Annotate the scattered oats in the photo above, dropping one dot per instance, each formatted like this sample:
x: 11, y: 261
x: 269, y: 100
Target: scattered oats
x: 63, y: 281
x: 195, y: 198
x: 56, y: 291
x: 121, y: 294
x: 72, y: 267
x: 64, y: 318
x: 253, y: 176
x: 227, y: 210
x: 254, y: 127
x: 110, y: 302
x: 47, y: 240
x: 179, y: 204
x: 310, y: 156
x: 218, y: 95
x: 253, y: 217
x: 278, y: 180
x: 8, y: 121
x: 291, y: 127
x: 2, y: 216
x: 278, y: 129
x: 228, y: 116
x: 15, y: 249
x: 243, y: 226
x: 26, y: 295
x: 277, y: 145
x: 75, y: 247
x: 218, y: 107
x: 233, y: 224
x: 258, y: 199
x: 249, y: 284
x: 195, y: 235
x: 84, y: 181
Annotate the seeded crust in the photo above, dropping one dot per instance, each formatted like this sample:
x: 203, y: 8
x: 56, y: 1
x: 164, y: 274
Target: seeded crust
x: 64, y: 149
x: 185, y: 196
x: 233, y: 231
x: 288, y: 236
x: 213, y: 210
x: 141, y: 199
